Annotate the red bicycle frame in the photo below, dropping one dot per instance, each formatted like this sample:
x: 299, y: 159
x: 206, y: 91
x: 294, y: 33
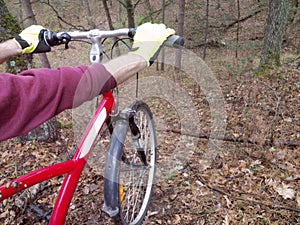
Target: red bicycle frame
x: 71, y: 168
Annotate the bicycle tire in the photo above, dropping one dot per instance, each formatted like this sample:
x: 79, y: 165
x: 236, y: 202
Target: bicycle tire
x: 128, y: 183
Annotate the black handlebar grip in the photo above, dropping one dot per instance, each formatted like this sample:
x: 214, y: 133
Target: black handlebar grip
x: 174, y: 41
x: 51, y: 38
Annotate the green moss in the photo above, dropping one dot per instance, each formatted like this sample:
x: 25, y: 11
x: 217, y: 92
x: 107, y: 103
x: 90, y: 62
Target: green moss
x: 10, y: 25
x: 272, y: 62
x: 261, y: 72
x: 17, y: 64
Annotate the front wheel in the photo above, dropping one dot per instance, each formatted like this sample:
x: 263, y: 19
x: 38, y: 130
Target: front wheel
x: 130, y: 167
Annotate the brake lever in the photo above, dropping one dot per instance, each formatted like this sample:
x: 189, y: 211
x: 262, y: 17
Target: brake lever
x: 65, y: 39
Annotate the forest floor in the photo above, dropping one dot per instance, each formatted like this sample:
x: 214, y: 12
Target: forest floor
x: 254, y: 178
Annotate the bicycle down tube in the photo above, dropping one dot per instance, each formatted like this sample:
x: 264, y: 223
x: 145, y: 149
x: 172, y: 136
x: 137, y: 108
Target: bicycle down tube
x: 72, y: 168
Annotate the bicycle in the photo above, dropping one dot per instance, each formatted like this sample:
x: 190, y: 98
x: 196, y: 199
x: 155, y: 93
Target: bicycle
x: 129, y: 170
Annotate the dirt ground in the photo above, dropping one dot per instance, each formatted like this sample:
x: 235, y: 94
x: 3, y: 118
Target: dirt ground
x: 254, y: 178
x: 247, y: 174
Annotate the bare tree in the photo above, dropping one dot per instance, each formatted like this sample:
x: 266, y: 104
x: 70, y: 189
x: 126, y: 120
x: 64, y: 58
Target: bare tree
x: 109, y: 20
x: 89, y: 14
x: 181, y: 12
x: 274, y: 31
x: 149, y: 7
x: 129, y: 6
x: 31, y: 18
x: 238, y: 28
x: 162, y: 65
x: 46, y: 131
x: 110, y: 25
x: 206, y: 29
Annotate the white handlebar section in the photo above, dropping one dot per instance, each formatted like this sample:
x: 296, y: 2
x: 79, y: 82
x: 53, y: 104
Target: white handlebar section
x: 96, y: 33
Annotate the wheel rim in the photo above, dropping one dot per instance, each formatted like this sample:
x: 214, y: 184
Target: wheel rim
x: 136, y: 178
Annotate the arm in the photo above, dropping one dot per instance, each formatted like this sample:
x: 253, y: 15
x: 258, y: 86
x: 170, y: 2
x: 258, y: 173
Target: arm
x: 30, y: 40
x: 9, y: 49
x: 37, y: 95
x: 125, y: 66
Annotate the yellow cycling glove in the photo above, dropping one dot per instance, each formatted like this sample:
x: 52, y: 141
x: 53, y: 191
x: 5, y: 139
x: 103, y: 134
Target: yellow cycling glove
x: 31, y: 40
x: 148, y: 40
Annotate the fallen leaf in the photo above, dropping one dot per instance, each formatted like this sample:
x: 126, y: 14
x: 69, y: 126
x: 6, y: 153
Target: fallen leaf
x: 226, y: 220
x: 298, y: 199
x: 285, y: 191
x: 177, y: 219
x: 228, y: 202
x: 204, y: 164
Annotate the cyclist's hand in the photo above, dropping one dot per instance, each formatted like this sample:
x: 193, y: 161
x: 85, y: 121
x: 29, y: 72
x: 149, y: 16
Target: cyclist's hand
x: 31, y: 40
x: 149, y: 39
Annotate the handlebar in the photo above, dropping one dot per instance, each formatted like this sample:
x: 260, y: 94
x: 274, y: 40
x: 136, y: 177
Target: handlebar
x: 96, y: 53
x: 54, y: 39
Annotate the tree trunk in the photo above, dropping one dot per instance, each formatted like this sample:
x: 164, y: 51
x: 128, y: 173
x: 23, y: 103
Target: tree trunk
x: 238, y: 28
x: 48, y: 130
x: 149, y: 7
x: 109, y: 20
x: 274, y: 31
x: 130, y: 13
x: 181, y: 12
x: 111, y: 26
x: 163, y: 9
x: 206, y: 29
x: 31, y: 18
x: 89, y: 14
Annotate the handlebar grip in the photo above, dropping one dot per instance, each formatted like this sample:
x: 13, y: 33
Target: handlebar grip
x: 174, y: 41
x: 51, y: 38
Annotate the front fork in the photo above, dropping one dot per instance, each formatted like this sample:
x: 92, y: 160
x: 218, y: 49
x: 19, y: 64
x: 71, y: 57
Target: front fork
x: 123, y: 121
x: 128, y: 116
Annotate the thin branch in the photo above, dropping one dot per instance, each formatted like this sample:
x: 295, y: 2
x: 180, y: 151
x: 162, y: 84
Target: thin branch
x: 243, y: 19
x: 122, y: 3
x: 156, y: 13
x: 59, y: 17
x: 239, y: 139
x: 136, y: 4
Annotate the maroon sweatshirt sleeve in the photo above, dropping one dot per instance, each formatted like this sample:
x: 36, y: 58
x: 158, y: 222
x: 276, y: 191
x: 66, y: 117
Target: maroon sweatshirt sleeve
x: 33, y: 97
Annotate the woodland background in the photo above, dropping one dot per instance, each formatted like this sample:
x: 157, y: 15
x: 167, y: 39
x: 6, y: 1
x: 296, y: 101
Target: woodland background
x: 255, y: 179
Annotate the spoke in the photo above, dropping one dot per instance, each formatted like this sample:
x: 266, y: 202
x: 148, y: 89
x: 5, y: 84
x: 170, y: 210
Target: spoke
x: 137, y: 171
x: 138, y: 201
